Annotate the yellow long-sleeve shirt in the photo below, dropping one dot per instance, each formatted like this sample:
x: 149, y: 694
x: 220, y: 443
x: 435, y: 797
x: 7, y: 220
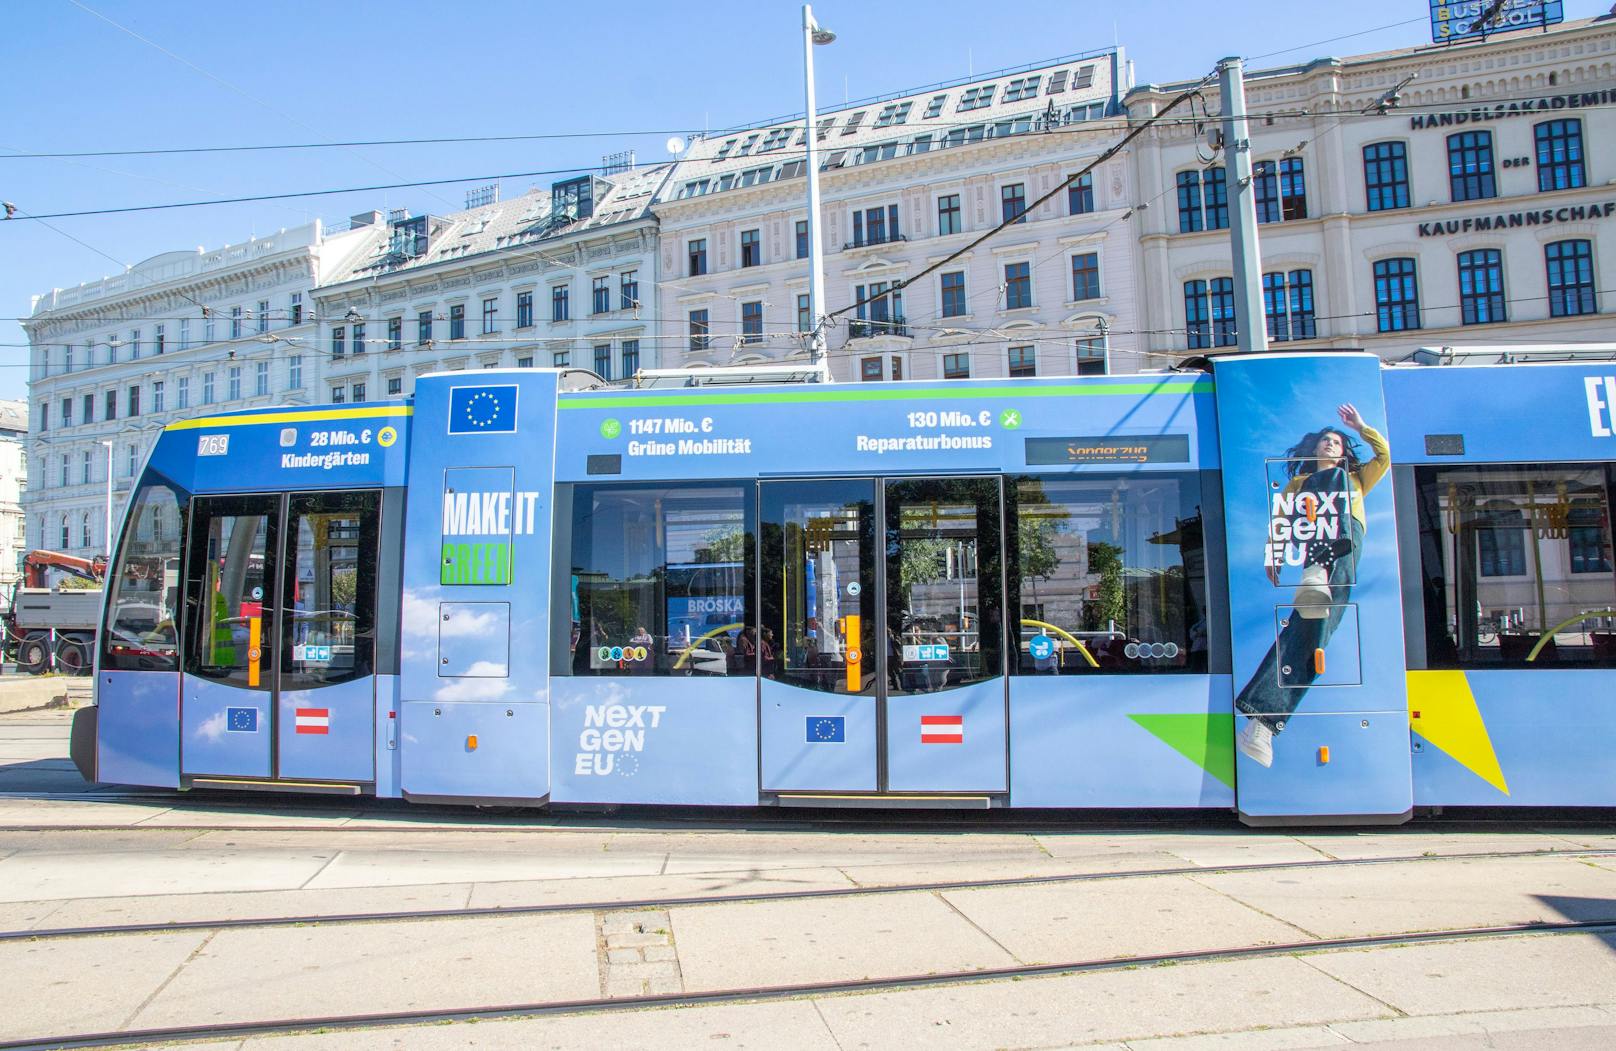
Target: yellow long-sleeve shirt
x: 1364, y: 478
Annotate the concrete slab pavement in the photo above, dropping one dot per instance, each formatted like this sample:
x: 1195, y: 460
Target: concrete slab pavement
x: 77, y: 986
x: 42, y: 876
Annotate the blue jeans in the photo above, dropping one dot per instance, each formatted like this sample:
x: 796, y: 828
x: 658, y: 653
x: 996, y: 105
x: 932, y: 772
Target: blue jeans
x: 1298, y: 639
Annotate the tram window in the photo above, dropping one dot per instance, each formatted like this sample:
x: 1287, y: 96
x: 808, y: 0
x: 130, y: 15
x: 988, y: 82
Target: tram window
x: 1108, y: 573
x: 1517, y: 566
x: 144, y: 608
x: 328, y: 632
x: 228, y: 575
x: 662, y: 579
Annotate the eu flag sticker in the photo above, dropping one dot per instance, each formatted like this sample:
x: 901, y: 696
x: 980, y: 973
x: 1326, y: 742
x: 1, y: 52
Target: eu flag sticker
x: 482, y: 410
x: 241, y: 720
x: 827, y: 729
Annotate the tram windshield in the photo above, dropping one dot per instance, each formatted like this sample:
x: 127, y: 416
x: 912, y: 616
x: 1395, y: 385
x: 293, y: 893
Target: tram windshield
x: 144, y: 583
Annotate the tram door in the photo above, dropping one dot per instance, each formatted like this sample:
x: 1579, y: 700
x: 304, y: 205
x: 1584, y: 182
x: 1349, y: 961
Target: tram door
x: 280, y: 637
x: 882, y: 636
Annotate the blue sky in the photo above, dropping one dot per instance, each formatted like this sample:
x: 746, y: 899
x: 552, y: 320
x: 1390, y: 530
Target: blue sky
x: 212, y: 74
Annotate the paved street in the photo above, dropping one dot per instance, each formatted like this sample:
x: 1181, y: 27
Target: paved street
x: 620, y: 923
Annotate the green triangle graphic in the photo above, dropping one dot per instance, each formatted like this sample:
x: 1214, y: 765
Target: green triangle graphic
x: 1205, y: 740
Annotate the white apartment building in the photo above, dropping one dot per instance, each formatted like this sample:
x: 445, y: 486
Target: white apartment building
x: 907, y: 181
x: 13, y: 484
x: 113, y: 361
x: 548, y: 279
x: 1428, y: 196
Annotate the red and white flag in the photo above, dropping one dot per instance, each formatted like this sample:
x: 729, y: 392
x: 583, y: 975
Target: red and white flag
x: 942, y: 729
x: 313, y: 720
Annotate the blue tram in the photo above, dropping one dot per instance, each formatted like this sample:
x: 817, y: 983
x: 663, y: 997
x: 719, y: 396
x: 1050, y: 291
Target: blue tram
x: 1303, y: 587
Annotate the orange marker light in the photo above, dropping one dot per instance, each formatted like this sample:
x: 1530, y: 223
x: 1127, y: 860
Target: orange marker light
x: 1324, y: 754
x: 1318, y: 662
x: 471, y: 743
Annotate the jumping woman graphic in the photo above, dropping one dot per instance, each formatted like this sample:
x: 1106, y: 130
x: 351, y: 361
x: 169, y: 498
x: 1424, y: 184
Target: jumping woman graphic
x: 1324, y: 462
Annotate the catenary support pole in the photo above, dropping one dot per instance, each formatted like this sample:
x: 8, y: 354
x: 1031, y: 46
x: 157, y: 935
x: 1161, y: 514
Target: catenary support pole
x: 1251, y: 330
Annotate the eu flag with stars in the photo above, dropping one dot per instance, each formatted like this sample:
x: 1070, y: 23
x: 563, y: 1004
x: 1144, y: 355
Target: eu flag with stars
x: 827, y: 728
x: 482, y: 410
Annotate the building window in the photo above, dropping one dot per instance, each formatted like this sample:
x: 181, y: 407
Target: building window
x: 751, y: 248
x: 1571, y: 278
x: 64, y: 474
x: 1501, y: 542
x: 85, y: 467
x: 208, y: 335
x: 89, y: 409
x: 631, y: 357
x: 1288, y: 305
x: 359, y: 346
x: 524, y: 310
x: 294, y: 372
x: 358, y: 392
x: 423, y: 327
x: 235, y: 322
x: 185, y: 335
x: 802, y: 239
x: 234, y: 386
x: 1023, y: 361
x: 948, y: 214
x: 880, y: 310
x: 339, y: 395
x: 696, y: 251
x: 1397, y: 295
x: 395, y: 333
x: 957, y: 366
x: 84, y: 529
x: 699, y: 327
x: 560, y: 359
x: 1017, y: 286
x: 873, y: 226
x: 870, y: 370
x: 558, y: 303
x: 134, y: 401
x: 1080, y: 195
x: 158, y: 339
x: 1209, y: 313
x: 263, y: 315
x: 112, y: 405
x: 1086, y: 275
x: 207, y: 388
x: 1470, y: 166
x: 67, y: 413
x: 805, y: 321
x: 1559, y: 155
x: 752, y: 322
x: 182, y: 392
x: 1589, y: 550
x: 131, y: 460
x: 339, y: 342
x: 1092, y: 359
x: 1385, y: 166
x: 261, y: 378
x: 490, y: 318
x: 1281, y: 190
x: 1203, y: 201
x: 395, y: 384
x: 457, y: 321
x: 134, y: 345
x: 603, y: 360
x: 628, y: 290
x: 295, y: 314
x: 953, y: 289
x: 1013, y: 202
x: 1481, y: 287
x: 601, y: 296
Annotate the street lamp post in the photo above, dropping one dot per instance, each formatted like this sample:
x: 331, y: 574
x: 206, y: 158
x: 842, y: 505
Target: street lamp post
x: 813, y: 33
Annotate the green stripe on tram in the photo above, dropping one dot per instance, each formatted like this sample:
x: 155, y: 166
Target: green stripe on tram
x: 839, y: 394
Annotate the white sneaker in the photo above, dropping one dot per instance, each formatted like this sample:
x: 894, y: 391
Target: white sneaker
x: 1256, y: 740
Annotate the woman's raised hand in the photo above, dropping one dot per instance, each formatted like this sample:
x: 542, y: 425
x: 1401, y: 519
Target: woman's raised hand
x: 1350, y: 416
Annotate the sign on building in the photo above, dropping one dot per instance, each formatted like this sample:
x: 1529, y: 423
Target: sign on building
x: 1452, y: 22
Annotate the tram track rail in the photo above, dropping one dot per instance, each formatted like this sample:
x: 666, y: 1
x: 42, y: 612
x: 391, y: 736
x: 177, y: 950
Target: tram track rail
x: 764, y: 993
x: 698, y: 900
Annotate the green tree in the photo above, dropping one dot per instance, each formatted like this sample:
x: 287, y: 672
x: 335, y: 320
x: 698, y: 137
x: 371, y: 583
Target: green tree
x: 1112, y: 606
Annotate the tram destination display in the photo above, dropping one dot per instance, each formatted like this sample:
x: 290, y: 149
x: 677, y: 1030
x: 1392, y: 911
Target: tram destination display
x: 1135, y: 448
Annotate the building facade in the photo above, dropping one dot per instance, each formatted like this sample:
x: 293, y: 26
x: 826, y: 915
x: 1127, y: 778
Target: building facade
x: 564, y: 278
x: 13, y: 484
x: 1423, y: 197
x: 907, y: 182
x: 113, y: 361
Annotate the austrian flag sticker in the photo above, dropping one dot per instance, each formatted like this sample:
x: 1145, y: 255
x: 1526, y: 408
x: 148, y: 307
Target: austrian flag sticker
x: 313, y: 720
x: 942, y: 729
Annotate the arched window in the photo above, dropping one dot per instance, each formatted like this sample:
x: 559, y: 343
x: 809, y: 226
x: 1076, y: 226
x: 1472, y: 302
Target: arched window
x: 84, y: 529
x: 67, y: 538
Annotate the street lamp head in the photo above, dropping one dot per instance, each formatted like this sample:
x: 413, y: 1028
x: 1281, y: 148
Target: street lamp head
x: 821, y: 35
x: 353, y: 315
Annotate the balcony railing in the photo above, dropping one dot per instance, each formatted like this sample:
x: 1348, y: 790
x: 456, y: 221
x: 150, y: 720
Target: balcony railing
x: 866, y: 242
x: 863, y: 329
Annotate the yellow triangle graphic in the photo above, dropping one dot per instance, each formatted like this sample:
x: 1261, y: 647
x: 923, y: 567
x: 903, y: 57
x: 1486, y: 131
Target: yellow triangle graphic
x: 1442, y: 710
